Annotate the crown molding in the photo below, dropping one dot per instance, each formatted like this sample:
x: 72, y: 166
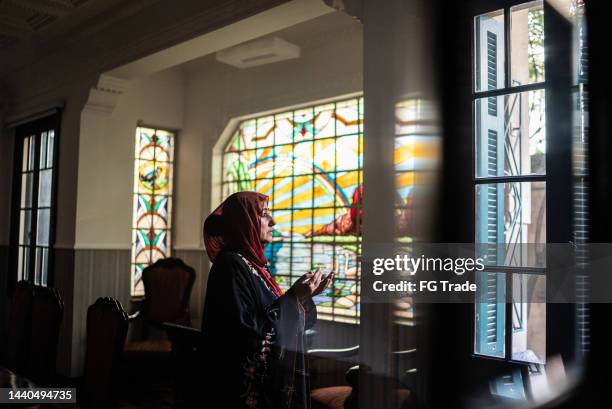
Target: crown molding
x: 104, y: 96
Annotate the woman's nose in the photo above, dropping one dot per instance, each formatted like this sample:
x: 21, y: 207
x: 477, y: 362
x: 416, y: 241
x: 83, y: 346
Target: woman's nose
x: 272, y: 222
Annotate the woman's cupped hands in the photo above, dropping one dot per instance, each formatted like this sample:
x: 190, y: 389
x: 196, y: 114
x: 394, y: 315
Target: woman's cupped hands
x: 312, y: 283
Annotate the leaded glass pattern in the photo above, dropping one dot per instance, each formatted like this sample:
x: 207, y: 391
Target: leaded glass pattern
x: 152, y: 224
x: 309, y: 161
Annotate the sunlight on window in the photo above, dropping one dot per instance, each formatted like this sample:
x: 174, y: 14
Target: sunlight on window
x: 151, y: 226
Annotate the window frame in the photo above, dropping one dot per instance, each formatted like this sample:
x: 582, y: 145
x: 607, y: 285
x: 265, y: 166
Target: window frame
x: 558, y: 157
x: 34, y: 128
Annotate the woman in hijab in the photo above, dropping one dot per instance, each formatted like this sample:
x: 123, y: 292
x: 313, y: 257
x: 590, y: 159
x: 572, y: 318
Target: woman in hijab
x: 253, y: 334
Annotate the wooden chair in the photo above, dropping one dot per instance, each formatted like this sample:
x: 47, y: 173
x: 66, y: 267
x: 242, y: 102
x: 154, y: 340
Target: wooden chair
x: 168, y: 284
x: 107, y: 325
x: 47, y: 312
x: 18, y: 328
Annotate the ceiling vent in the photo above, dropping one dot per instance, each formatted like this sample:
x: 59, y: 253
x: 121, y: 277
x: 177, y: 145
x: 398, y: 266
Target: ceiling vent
x: 258, y: 52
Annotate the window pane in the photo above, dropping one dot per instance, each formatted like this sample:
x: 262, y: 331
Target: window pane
x: 44, y: 266
x: 43, y: 151
x: 348, y: 188
x: 527, y: 43
x: 50, y: 151
x: 490, y: 306
x: 43, y: 224
x: 509, y: 216
x: 489, y: 51
x: 164, y: 146
x: 25, y: 222
x: 31, y: 151
x: 303, y: 120
x: 26, y: 189
x: 44, y: 188
x: 21, y: 261
x: 511, y: 135
x: 325, y: 118
x: 264, y: 135
x: 303, y: 160
x: 38, y: 271
x: 348, y: 152
x: 26, y: 153
x: 347, y: 117
x: 137, y: 285
x: 529, y: 318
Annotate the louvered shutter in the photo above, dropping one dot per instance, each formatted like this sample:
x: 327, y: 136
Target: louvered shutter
x: 490, y: 311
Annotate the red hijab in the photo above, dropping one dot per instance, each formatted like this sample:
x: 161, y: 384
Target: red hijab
x: 236, y: 225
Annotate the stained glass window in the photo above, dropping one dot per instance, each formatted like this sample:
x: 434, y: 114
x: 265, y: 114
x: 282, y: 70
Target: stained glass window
x: 151, y: 226
x: 309, y: 161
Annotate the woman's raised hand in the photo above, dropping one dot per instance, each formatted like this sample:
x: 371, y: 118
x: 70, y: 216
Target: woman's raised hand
x: 324, y: 283
x: 311, y: 284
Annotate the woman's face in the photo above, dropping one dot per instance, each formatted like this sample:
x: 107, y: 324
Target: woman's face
x: 266, y: 226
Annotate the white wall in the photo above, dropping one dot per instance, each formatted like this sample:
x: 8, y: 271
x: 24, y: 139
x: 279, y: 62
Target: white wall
x: 106, y: 157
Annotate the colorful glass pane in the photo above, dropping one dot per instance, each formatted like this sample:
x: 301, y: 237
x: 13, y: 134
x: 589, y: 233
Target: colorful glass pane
x: 312, y: 176
x: 153, y: 170
x: 324, y: 121
x: 283, y: 128
x: 347, y: 117
x: 349, y: 152
x: 303, y: 124
x: 265, y: 131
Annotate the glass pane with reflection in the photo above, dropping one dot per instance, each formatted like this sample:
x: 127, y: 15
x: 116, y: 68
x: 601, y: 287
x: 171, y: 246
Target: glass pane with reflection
x: 529, y: 318
x: 527, y: 43
x: 511, y: 135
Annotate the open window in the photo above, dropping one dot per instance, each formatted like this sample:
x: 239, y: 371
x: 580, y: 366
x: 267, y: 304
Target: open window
x: 510, y: 182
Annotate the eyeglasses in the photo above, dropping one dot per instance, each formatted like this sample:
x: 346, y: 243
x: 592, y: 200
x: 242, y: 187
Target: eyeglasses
x: 266, y: 212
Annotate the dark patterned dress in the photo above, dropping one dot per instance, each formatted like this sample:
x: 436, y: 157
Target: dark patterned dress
x: 253, y: 341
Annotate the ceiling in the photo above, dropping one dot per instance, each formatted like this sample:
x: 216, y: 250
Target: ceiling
x: 306, y: 35
x: 21, y: 19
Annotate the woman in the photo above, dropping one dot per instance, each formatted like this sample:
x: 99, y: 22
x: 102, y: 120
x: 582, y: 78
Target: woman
x: 253, y: 334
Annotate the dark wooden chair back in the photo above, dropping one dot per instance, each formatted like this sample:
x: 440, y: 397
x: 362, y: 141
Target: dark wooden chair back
x: 167, y: 283
x: 15, y: 347
x: 47, y: 311
x: 107, y: 325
